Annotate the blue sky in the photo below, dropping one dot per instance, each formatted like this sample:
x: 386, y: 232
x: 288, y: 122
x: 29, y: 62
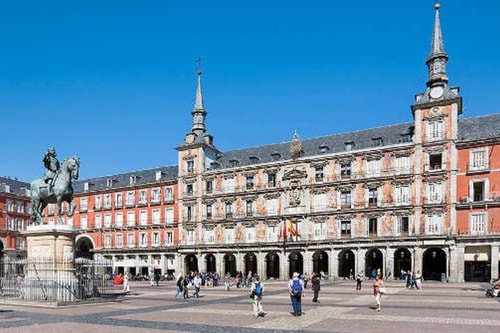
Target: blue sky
x: 114, y: 81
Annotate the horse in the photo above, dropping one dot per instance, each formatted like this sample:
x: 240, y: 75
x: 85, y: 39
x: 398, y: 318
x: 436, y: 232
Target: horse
x: 42, y: 194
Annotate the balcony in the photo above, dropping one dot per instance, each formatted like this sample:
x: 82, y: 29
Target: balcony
x: 475, y: 169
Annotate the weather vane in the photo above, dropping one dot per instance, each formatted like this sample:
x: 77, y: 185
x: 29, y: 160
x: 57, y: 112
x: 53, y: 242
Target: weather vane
x: 198, y: 66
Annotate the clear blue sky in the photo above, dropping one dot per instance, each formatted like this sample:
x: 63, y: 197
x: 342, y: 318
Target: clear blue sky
x: 114, y: 81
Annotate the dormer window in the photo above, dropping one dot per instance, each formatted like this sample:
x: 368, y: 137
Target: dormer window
x: 158, y: 175
x: 323, y: 149
x: 254, y: 159
x: 275, y: 156
x: 406, y: 137
x: 233, y: 163
x: 376, y: 142
x: 133, y: 179
x: 109, y: 182
x: 214, y: 165
x: 86, y: 186
x: 349, y: 145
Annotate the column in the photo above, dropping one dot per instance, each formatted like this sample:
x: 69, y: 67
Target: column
x: 495, y: 249
x: 417, y: 260
x: 389, y: 263
x: 456, y: 263
x: 261, y: 264
x: 284, y: 266
x: 308, y: 262
x: 334, y: 262
x: 360, y: 261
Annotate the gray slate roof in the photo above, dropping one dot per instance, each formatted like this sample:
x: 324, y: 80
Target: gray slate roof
x: 13, y: 186
x: 481, y: 127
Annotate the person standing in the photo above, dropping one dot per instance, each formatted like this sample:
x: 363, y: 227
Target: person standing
x: 257, y: 288
x: 316, y: 286
x: 197, y: 285
x: 126, y: 284
x: 359, y: 279
x: 295, y: 289
x: 378, y: 291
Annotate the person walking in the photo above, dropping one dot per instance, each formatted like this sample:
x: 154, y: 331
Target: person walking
x: 295, y: 289
x: 197, y: 285
x: 179, y: 285
x: 359, y: 279
x: 316, y: 286
x: 126, y: 284
x: 378, y: 291
x: 257, y: 288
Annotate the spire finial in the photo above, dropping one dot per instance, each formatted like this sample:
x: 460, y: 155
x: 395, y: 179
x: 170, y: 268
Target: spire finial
x: 198, y: 66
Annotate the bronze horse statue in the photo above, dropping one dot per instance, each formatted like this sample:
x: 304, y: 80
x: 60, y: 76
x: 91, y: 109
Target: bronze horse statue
x: 42, y: 194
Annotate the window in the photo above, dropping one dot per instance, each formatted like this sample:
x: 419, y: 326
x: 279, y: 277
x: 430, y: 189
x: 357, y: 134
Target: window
x: 478, y: 191
x: 118, y: 200
x: 272, y: 233
x: 119, y: 220
x: 156, y: 239
x: 169, y: 194
x: 478, y: 160
x: 98, y: 202
x: 250, y: 235
x: 318, y: 173
x: 10, y: 205
x: 228, y: 233
x: 377, y: 142
x: 169, y: 238
x: 131, y: 219
x: 272, y: 206
x: 156, y: 216
x: 209, y: 236
x: 345, y: 199
x: 433, y: 224
x: 131, y: 240
x: 143, y: 239
x: 249, y: 182
x: 402, y: 226
x: 372, y: 227
x: 83, y: 204
x: 319, y: 202
x: 190, y: 166
x: 271, y: 180
x: 119, y: 240
x: 402, y: 194
x: 142, y: 197
x: 107, y: 241
x: 109, y: 182
x: 155, y: 195
x: 189, y: 213
x: 229, y: 209
x: 253, y: 159
x: 133, y: 180
x: 349, y: 145
x: 402, y: 165
x: 107, y: 220
x: 19, y: 224
x: 229, y: 185
x: 83, y: 222
x: 10, y: 223
x: 233, y: 163
x: 19, y: 242
x: 435, y: 130
x: 189, y: 190
x: 434, y: 192
x: 249, y: 208
x: 130, y: 198
x: 19, y: 207
x: 372, y: 168
x: 345, y: 170
x: 435, y: 161
x: 323, y: 149
x: 85, y: 186
x: 107, y: 201
x: 478, y: 224
x: 209, y: 211
x: 275, y: 156
x: 169, y: 215
x: 98, y: 221
x: 158, y: 174
x: 372, y: 197
x: 209, y: 186
x: 319, y: 230
x: 189, y: 237
x: 406, y: 137
x: 143, y: 217
x: 345, y: 229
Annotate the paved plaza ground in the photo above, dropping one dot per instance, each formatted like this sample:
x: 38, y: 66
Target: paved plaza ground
x: 439, y: 307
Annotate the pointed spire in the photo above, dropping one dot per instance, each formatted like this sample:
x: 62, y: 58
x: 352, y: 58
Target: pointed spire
x: 198, y: 112
x: 436, y: 62
x: 198, y: 103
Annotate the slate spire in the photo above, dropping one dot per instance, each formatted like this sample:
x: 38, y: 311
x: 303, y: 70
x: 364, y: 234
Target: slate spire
x: 438, y: 58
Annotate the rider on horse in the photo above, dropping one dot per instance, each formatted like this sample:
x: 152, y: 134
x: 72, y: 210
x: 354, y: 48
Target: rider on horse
x: 51, y: 163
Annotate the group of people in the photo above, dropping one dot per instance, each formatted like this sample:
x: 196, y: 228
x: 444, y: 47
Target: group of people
x: 186, y: 282
x: 413, y: 280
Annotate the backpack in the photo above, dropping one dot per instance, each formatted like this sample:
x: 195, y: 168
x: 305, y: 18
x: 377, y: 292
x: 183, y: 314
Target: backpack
x: 258, y: 289
x: 296, y: 288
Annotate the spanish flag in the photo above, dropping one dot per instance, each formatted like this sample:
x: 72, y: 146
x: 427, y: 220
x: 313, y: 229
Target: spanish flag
x: 291, y: 229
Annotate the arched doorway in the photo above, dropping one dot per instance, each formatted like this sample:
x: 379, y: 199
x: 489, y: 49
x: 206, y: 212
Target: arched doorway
x: 272, y: 265
x: 434, y: 264
x: 402, y: 262
x: 190, y: 264
x: 230, y: 264
x: 210, y: 263
x: 374, y: 263
x: 346, y: 263
x: 250, y: 263
x: 320, y: 262
x: 83, y: 248
x: 296, y: 263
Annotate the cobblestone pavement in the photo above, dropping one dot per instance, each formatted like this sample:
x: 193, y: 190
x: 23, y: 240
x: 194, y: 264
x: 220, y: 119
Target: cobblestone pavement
x: 438, y: 307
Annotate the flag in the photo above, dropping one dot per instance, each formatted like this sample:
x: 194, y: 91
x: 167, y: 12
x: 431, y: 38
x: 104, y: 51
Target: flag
x: 291, y: 229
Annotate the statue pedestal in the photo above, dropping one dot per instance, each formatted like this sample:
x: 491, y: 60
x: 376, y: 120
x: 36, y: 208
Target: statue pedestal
x: 50, y: 269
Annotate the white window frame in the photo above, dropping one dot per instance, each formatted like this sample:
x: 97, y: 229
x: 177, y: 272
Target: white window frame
x: 156, y: 216
x: 83, y: 222
x: 119, y: 219
x: 434, y: 224
x: 435, y: 130
x: 479, y: 159
x: 107, y: 241
x: 131, y: 219
x: 478, y: 223
x: 119, y: 240
x: 319, y: 230
x: 130, y: 240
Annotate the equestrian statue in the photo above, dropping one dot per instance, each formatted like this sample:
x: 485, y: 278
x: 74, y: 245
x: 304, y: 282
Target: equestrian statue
x: 56, y: 187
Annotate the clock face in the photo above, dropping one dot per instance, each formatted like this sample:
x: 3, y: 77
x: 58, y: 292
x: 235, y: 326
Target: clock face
x: 190, y: 138
x: 436, y: 92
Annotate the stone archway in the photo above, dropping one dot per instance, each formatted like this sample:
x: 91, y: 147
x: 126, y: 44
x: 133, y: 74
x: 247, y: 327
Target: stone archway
x: 402, y: 262
x: 296, y: 263
x: 272, y: 265
x: 374, y: 263
x: 250, y: 263
x: 346, y: 264
x: 190, y: 264
x: 210, y: 263
x: 229, y: 264
x: 83, y: 248
x: 320, y: 262
x: 434, y: 264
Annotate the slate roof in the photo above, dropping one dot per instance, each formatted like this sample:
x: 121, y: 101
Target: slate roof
x: 123, y: 180
x: 469, y: 129
x: 13, y: 186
